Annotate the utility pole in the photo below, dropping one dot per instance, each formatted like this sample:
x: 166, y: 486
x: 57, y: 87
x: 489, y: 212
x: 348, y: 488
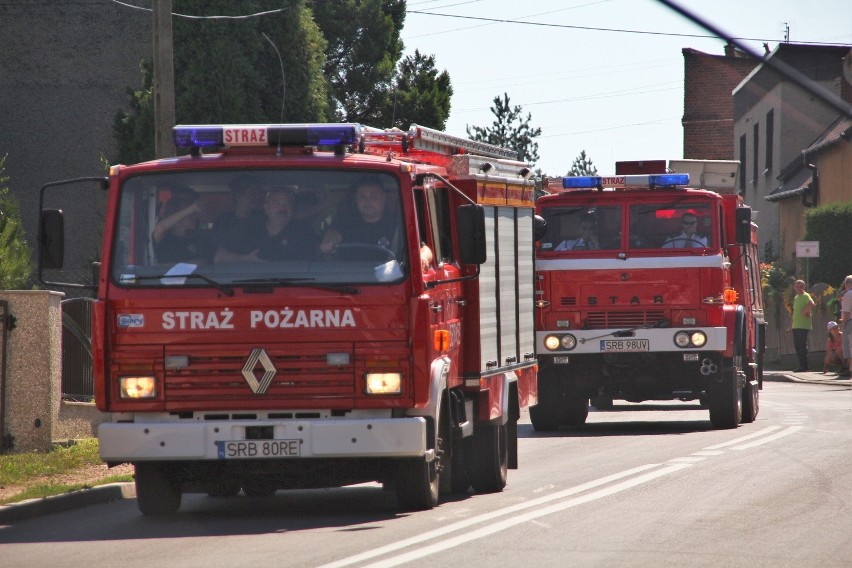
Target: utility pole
x: 163, y: 84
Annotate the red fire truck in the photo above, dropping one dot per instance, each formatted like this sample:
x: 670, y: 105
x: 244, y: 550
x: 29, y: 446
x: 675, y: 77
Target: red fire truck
x: 400, y: 354
x: 648, y: 290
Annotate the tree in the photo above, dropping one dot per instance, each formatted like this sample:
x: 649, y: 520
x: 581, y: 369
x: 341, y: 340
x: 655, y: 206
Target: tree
x: 360, y: 60
x: 15, y: 265
x: 509, y: 130
x: 226, y: 71
x: 421, y: 95
x: 582, y: 166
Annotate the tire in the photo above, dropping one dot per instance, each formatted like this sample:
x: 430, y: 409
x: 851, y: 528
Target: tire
x: 545, y: 415
x: 488, y: 467
x: 575, y: 408
x: 726, y: 400
x: 418, y: 481
x: 157, y: 490
x: 751, y: 401
x: 417, y: 484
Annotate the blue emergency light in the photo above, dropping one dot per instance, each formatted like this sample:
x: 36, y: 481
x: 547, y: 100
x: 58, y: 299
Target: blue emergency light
x: 626, y: 181
x: 266, y: 135
x: 580, y: 182
x: 667, y: 180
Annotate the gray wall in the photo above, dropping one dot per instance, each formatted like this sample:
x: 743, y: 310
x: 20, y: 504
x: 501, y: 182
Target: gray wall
x: 64, y: 74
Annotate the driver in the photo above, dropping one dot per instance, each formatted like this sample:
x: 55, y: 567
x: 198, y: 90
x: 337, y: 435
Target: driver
x: 372, y: 224
x: 687, y: 238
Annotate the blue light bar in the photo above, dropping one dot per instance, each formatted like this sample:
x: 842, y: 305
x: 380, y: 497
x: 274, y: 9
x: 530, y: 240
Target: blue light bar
x: 198, y: 136
x: 580, y: 182
x: 313, y: 134
x: 668, y: 180
x: 267, y: 135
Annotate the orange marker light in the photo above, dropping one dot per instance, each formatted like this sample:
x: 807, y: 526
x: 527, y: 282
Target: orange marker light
x: 441, y: 340
x: 730, y: 296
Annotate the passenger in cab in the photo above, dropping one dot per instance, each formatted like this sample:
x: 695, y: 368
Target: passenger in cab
x: 587, y: 240
x: 371, y: 224
x: 688, y: 237
x: 177, y: 236
x: 278, y: 237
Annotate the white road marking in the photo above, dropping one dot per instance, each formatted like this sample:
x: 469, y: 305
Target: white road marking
x: 781, y: 434
x: 736, y: 441
x: 526, y: 517
x: 449, y: 529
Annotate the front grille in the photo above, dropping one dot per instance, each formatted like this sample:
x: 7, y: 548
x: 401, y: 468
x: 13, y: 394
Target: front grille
x: 218, y: 377
x: 620, y: 319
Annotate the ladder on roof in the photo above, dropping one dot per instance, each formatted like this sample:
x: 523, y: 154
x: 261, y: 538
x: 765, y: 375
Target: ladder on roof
x: 423, y: 140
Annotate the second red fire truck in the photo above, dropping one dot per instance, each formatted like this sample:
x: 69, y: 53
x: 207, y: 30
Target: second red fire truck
x: 335, y: 304
x: 648, y: 288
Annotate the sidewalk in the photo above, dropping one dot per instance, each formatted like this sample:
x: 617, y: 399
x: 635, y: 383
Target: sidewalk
x: 58, y: 503
x: 807, y: 377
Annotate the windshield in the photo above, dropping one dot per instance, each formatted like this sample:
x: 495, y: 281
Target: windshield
x: 683, y: 225
x: 582, y: 228
x: 680, y: 225
x: 259, y: 227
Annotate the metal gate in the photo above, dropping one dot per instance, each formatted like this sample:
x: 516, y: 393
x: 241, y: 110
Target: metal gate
x: 77, y: 376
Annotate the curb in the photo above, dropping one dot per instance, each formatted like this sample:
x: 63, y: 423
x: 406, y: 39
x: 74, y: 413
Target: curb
x: 58, y: 503
x: 806, y: 377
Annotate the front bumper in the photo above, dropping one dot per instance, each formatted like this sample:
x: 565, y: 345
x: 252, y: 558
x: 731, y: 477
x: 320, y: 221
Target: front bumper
x: 317, y: 438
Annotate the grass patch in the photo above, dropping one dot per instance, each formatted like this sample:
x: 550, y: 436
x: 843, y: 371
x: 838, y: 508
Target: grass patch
x: 16, y: 469
x: 51, y: 489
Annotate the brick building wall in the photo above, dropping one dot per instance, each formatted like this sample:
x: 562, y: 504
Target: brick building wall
x: 708, y: 113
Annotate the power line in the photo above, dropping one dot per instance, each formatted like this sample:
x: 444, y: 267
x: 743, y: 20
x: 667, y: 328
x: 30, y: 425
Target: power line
x: 592, y: 28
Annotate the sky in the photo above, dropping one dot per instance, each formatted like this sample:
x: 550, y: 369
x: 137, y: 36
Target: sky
x: 617, y: 95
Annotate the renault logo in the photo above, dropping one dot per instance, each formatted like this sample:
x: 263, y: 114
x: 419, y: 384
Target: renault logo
x: 269, y: 371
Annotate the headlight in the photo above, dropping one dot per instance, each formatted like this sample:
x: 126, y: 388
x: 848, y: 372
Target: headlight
x: 137, y: 387
x: 698, y: 338
x: 565, y: 342
x: 685, y: 339
x: 383, y: 383
x: 551, y: 342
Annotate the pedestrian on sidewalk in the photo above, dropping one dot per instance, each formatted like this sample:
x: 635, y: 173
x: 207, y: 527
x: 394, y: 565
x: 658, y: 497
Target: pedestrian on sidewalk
x: 803, y: 303
x: 845, y: 318
x: 834, y: 348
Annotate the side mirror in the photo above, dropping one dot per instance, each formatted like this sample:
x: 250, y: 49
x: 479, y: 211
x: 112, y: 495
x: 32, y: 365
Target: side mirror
x: 51, y: 237
x: 743, y: 220
x: 539, y: 228
x: 470, y: 233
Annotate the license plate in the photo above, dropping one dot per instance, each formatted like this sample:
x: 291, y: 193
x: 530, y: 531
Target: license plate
x: 258, y: 449
x: 625, y: 345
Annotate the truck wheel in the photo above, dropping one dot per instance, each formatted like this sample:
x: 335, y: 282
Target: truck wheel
x: 417, y: 484
x: 726, y: 400
x: 545, y: 415
x: 488, y: 467
x: 157, y: 490
x: 751, y: 401
x: 575, y: 408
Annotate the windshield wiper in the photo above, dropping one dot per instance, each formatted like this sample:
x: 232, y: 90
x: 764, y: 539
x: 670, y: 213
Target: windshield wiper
x: 219, y: 286
x: 309, y: 282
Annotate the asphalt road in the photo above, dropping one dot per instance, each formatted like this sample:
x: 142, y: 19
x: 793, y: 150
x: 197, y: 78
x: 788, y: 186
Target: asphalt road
x: 642, y: 485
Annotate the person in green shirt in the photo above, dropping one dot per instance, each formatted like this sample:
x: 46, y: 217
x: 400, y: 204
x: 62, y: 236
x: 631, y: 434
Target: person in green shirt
x: 802, y: 325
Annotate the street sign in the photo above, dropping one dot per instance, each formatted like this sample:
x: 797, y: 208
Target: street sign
x: 807, y: 249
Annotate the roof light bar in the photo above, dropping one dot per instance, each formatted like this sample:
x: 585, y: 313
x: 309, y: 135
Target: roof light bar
x: 644, y: 181
x: 187, y: 136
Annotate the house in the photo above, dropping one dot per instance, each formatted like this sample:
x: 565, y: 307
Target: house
x: 778, y: 129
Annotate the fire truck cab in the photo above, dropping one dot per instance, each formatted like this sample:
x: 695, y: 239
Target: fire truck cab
x: 648, y: 288
x: 294, y: 306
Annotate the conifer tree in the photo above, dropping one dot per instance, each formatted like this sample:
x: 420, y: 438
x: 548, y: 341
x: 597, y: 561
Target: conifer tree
x: 582, y: 166
x: 509, y: 130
